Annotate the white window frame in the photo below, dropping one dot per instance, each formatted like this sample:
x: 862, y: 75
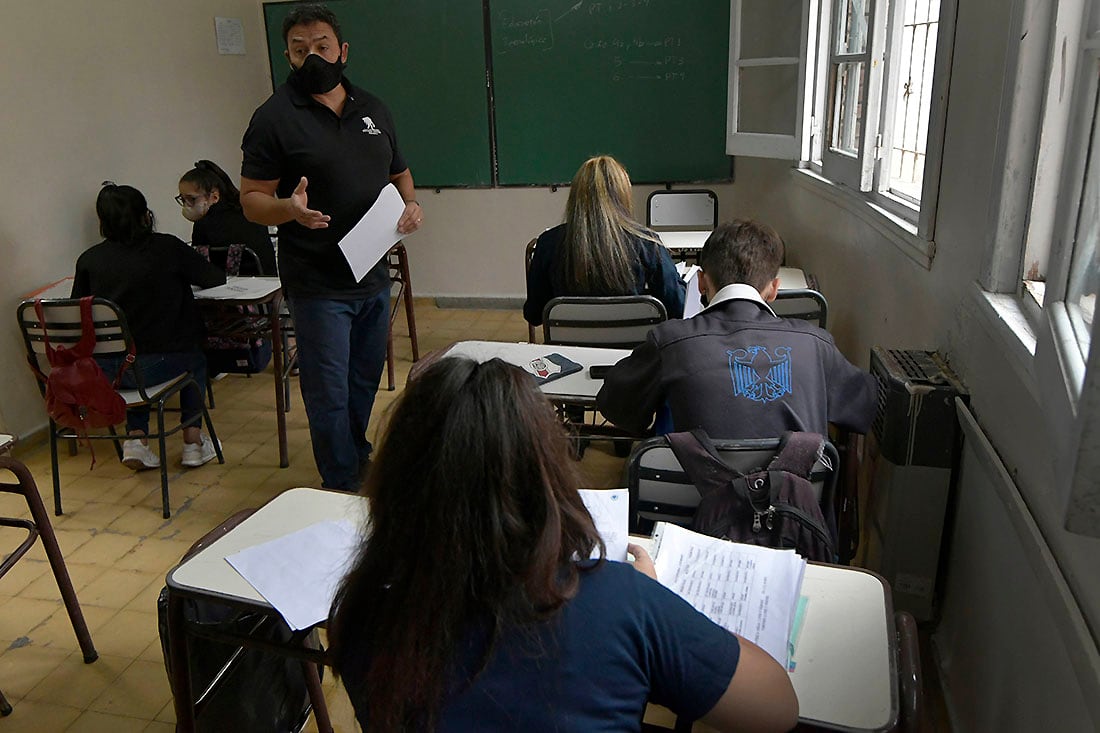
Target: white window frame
x: 764, y: 145
x: 1068, y: 379
x: 909, y: 227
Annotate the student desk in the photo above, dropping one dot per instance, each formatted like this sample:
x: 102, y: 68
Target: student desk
x: 224, y: 317
x: 578, y: 388
x: 845, y: 673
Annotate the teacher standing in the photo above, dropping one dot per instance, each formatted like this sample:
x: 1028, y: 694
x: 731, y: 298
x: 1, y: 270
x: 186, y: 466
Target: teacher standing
x: 316, y: 155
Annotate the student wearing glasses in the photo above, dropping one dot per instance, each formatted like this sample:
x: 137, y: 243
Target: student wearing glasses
x: 210, y: 200
x: 472, y: 605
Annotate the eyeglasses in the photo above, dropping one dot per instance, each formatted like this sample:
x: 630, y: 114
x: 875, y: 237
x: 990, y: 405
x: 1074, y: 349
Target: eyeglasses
x: 188, y: 200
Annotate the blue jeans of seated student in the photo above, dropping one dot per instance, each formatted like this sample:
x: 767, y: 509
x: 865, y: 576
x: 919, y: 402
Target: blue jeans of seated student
x: 157, y: 368
x: 341, y: 352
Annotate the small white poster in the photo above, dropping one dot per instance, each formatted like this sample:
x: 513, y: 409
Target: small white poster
x: 230, y: 34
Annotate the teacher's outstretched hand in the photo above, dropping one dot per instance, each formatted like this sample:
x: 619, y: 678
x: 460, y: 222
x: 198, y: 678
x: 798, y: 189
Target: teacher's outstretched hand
x: 304, y: 215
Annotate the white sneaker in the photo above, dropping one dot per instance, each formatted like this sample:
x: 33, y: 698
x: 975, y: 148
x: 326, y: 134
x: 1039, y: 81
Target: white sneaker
x: 196, y: 454
x: 138, y: 456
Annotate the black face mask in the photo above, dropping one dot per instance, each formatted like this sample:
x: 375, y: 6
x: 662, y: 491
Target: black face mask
x: 315, y: 75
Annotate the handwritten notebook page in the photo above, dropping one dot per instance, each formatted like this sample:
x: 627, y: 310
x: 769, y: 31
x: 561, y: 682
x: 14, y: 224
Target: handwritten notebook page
x: 610, y: 510
x: 751, y: 591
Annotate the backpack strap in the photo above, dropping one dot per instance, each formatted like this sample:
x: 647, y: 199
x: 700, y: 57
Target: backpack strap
x: 699, y: 458
x: 798, y: 452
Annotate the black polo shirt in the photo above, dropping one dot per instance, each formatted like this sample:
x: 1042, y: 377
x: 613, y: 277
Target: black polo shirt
x: 348, y: 159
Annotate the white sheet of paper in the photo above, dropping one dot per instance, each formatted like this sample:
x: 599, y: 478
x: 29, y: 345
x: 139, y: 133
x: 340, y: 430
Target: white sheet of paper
x: 240, y: 288
x: 230, y: 35
x: 370, y: 239
x: 610, y: 510
x: 751, y: 591
x: 298, y: 573
x: 693, y: 303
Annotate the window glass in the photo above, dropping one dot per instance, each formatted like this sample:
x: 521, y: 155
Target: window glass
x: 913, y: 94
x: 851, y: 29
x: 1084, y: 273
x: 769, y: 94
x: 847, y: 107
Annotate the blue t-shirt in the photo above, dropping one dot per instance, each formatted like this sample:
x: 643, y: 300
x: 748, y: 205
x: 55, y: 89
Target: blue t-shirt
x: 622, y: 641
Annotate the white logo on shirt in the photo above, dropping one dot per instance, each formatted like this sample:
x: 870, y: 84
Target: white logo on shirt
x: 370, y: 129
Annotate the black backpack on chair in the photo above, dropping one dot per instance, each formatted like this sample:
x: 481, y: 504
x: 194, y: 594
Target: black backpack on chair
x: 774, y: 506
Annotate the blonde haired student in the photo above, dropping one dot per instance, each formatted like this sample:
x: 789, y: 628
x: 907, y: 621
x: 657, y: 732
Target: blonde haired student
x: 601, y: 249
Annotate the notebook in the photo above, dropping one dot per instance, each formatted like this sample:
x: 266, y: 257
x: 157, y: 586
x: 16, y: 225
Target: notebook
x: 550, y: 367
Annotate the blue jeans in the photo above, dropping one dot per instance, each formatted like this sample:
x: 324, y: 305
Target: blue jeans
x: 157, y: 368
x: 341, y: 352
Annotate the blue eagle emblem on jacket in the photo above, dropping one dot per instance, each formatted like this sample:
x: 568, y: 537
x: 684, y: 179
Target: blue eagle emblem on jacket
x: 758, y: 375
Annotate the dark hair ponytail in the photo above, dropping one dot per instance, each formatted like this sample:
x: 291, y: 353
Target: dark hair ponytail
x: 207, y: 176
x: 124, y: 215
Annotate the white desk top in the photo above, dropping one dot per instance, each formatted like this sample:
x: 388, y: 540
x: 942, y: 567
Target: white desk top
x: 6, y: 441
x: 571, y: 386
x: 845, y: 671
x: 288, y: 512
x: 63, y: 288
x: 692, y: 240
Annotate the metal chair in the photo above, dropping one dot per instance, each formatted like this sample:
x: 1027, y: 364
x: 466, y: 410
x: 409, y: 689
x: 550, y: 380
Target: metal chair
x: 682, y: 209
x: 619, y: 321
x: 661, y: 491
x: 805, y: 303
x: 398, y: 260
x: 61, y: 323
x: 39, y: 526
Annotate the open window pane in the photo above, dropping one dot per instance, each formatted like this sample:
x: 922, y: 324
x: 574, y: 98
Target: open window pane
x: 913, y: 95
x: 1084, y: 273
x: 851, y: 29
x: 767, y: 31
x: 847, y: 107
x: 769, y: 93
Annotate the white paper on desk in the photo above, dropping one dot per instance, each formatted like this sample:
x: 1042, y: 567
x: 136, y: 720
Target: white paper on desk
x: 751, y: 591
x: 374, y: 235
x: 298, y: 573
x: 240, y: 288
x: 610, y: 510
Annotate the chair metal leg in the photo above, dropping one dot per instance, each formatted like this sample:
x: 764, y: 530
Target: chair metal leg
x: 166, y: 511
x: 317, y: 697
x: 403, y: 260
x: 389, y: 357
x: 54, y: 469
x: 213, y: 435
x: 53, y: 554
x: 116, y: 443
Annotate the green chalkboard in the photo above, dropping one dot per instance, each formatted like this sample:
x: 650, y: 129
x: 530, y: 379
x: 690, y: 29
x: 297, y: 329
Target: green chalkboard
x: 643, y: 80
x: 426, y: 60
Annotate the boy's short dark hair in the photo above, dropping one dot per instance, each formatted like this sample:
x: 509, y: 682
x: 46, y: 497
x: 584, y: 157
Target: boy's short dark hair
x: 742, y: 251
x: 311, y: 13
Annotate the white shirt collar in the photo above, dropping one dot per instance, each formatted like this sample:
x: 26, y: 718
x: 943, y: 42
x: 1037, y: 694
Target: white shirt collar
x: 739, y: 291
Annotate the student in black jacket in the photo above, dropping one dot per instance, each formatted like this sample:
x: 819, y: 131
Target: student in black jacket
x: 736, y: 369
x: 149, y: 276
x: 213, y: 203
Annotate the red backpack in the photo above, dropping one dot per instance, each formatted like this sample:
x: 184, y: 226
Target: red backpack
x: 78, y: 393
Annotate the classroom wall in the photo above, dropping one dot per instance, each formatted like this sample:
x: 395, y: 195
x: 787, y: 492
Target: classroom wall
x: 129, y: 90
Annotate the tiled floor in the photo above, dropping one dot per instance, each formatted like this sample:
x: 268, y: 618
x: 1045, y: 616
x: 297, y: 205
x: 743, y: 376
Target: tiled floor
x: 118, y: 548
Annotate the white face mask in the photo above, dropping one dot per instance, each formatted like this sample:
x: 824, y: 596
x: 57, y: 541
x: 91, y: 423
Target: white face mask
x: 196, y: 212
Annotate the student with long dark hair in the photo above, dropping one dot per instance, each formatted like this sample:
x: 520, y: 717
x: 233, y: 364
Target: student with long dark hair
x: 149, y: 276
x: 600, y: 249
x: 471, y: 605
x: 210, y: 200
